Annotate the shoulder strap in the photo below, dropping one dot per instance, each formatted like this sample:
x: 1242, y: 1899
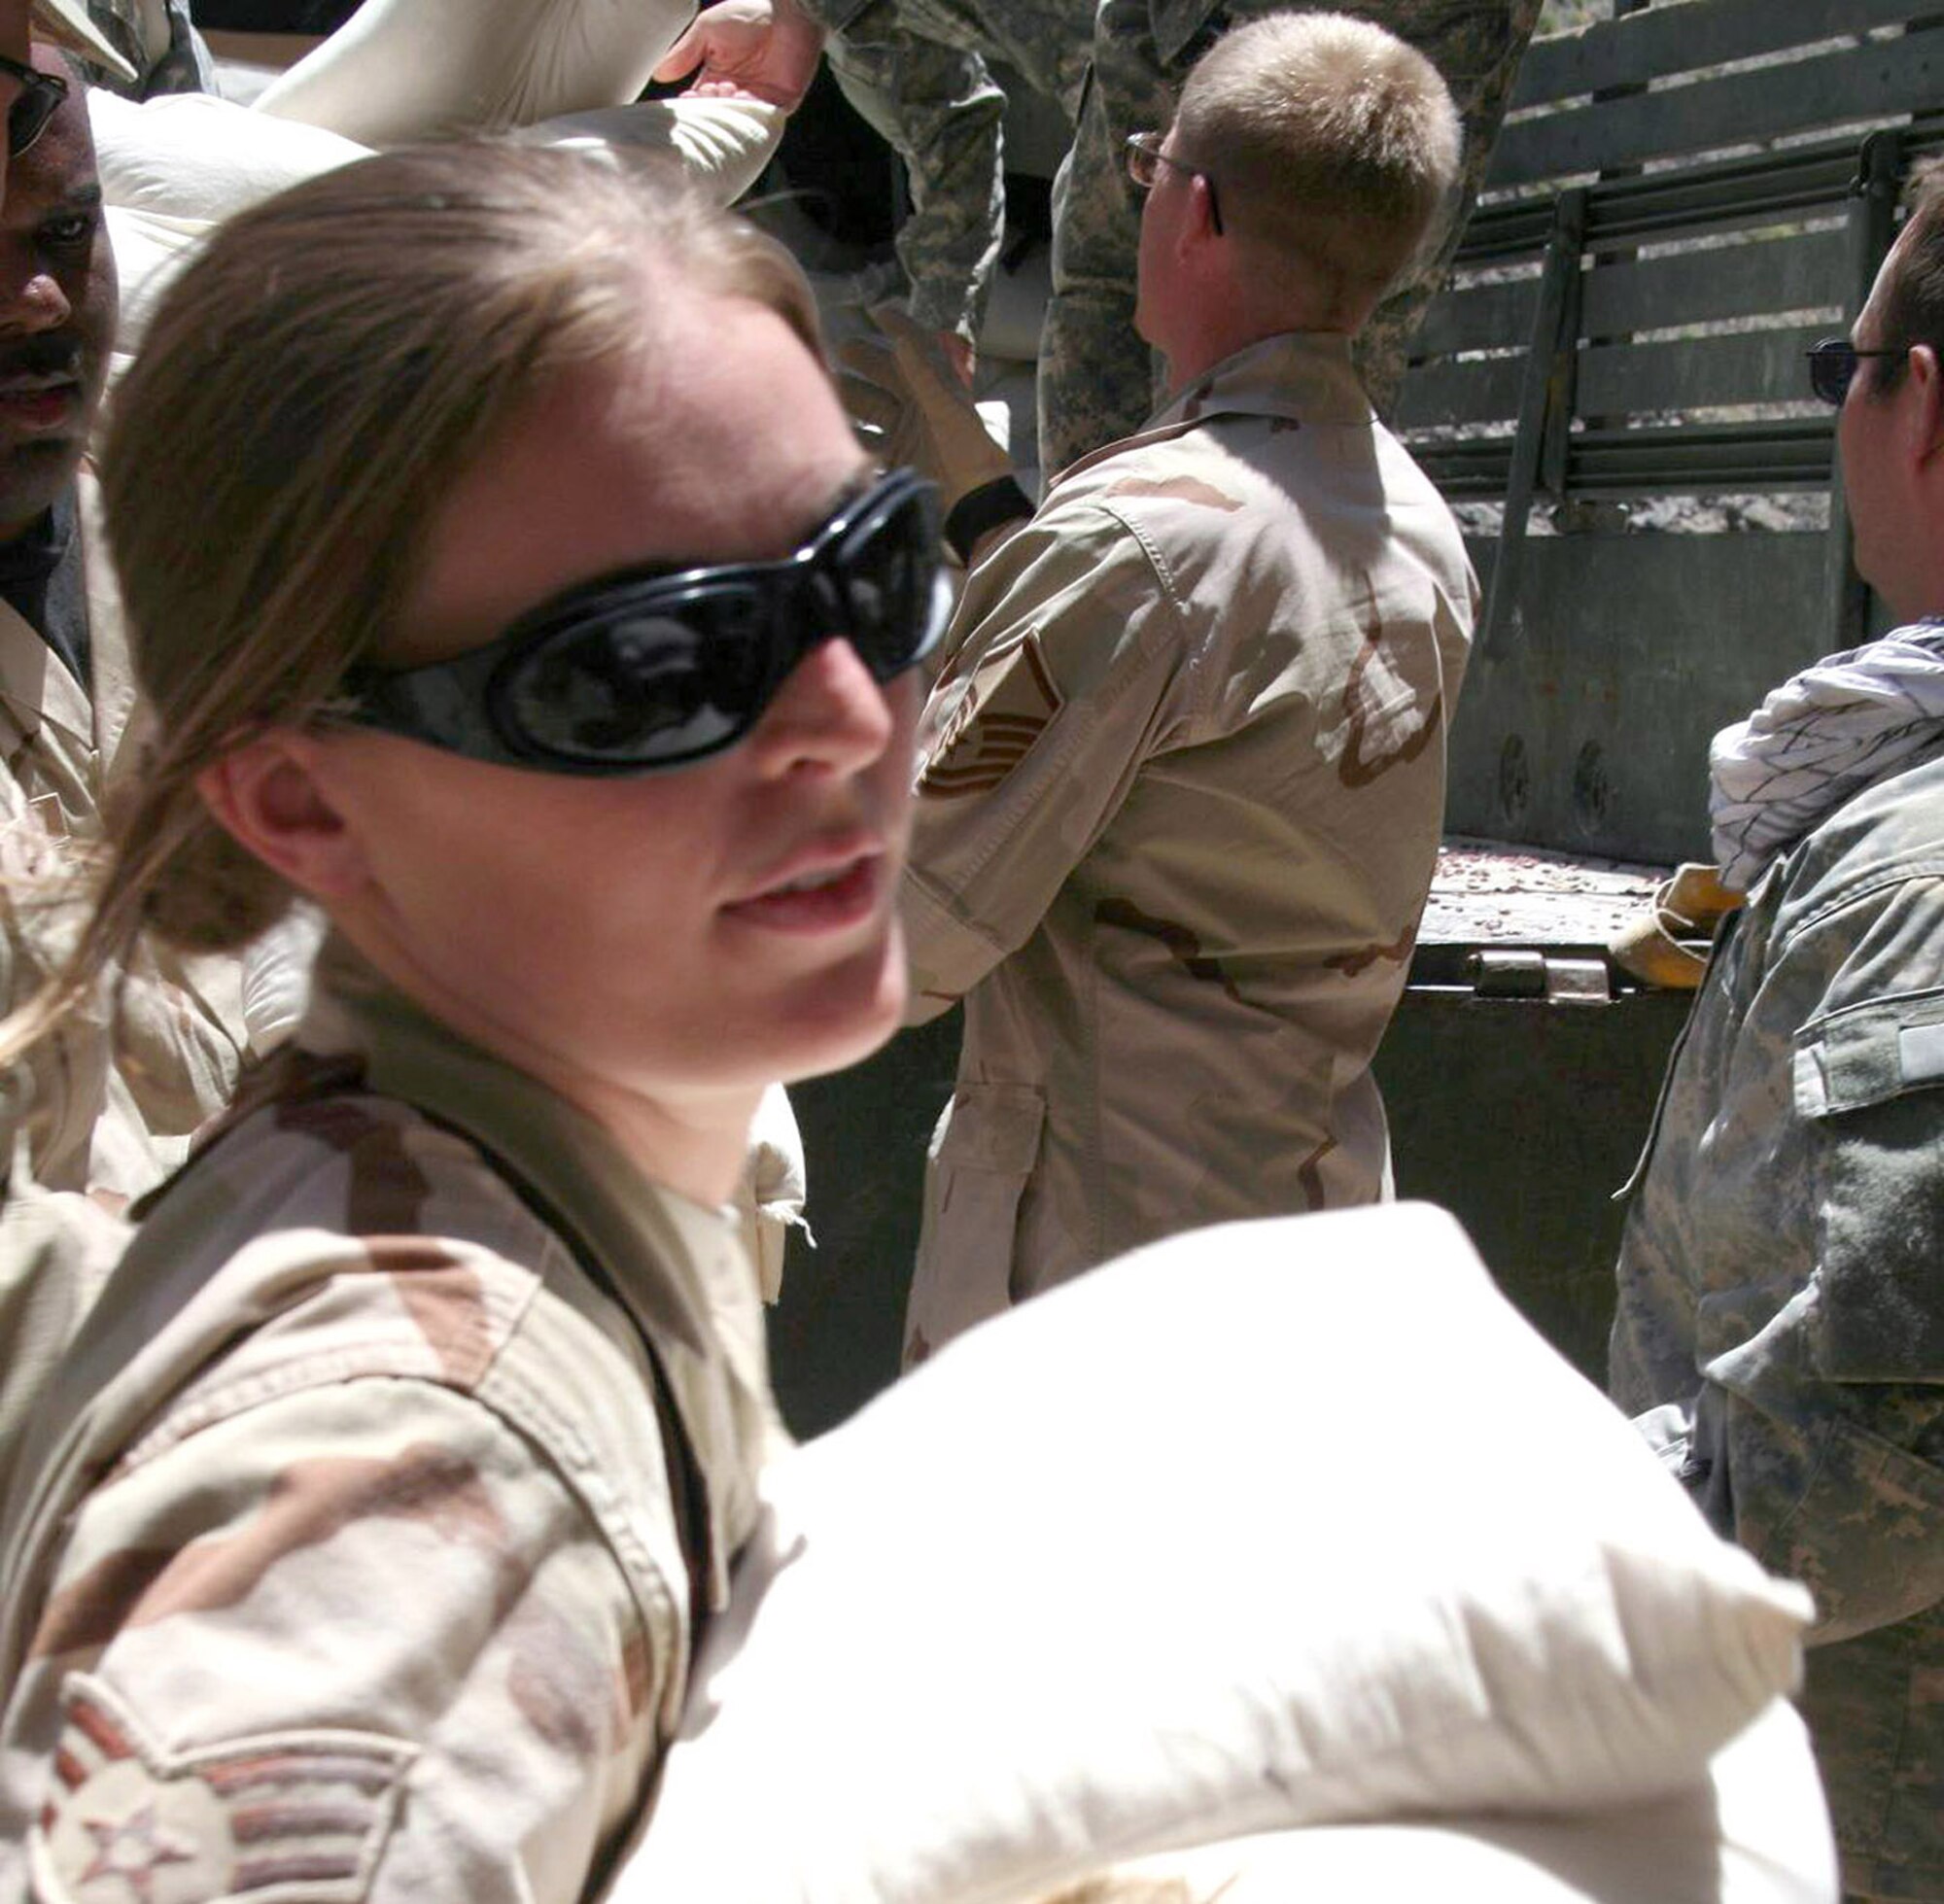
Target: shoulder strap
x: 686, y: 1490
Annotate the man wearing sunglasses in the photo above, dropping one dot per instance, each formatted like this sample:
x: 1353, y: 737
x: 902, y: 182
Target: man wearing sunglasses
x: 28, y: 95
x: 1780, y: 1334
x: 94, y: 1122
x: 1184, y: 771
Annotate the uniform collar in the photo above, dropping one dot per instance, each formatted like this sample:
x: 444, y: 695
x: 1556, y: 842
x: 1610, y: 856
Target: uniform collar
x: 117, y: 730
x: 36, y: 683
x: 35, y: 680
x: 1305, y: 376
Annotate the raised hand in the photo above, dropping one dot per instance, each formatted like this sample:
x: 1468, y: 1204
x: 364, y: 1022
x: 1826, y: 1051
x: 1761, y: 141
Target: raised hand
x: 764, y: 49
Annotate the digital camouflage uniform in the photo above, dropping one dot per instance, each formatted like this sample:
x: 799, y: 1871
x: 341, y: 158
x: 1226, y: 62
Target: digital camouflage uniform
x: 1096, y: 379
x: 358, y: 1546
x: 1182, y: 785
x: 916, y: 71
x: 1781, y: 1322
x: 158, y: 41
x: 109, y: 1112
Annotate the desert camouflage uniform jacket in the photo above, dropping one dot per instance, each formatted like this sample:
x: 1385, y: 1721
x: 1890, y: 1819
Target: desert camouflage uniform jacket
x: 917, y: 70
x: 1180, y: 803
x: 358, y: 1548
x: 110, y: 1113
x: 1782, y: 1299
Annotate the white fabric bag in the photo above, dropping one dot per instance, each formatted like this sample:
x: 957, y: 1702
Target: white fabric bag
x: 1277, y: 1525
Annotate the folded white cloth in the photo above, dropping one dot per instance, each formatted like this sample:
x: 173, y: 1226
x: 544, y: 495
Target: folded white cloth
x: 276, y: 976
x: 1819, y: 739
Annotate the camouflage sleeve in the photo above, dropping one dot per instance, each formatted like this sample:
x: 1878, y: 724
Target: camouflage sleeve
x: 101, y: 1100
x: 358, y: 1642
x: 1068, y: 640
x: 1837, y: 1483
x: 940, y: 110
x: 181, y: 65
x: 1096, y: 378
x: 834, y: 15
x: 1819, y: 1439
x: 50, y: 1097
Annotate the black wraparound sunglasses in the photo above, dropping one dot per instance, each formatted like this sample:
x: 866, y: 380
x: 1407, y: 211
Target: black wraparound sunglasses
x: 661, y: 665
x: 1832, y: 366
x: 38, y: 101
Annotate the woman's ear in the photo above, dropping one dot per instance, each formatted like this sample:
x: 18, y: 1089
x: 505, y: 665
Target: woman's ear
x: 266, y: 793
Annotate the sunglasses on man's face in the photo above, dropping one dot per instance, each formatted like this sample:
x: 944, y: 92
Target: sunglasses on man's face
x: 1832, y: 366
x: 38, y: 101
x: 659, y: 666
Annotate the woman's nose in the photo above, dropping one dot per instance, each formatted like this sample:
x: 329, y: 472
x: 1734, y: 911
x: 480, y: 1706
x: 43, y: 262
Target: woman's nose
x: 830, y: 712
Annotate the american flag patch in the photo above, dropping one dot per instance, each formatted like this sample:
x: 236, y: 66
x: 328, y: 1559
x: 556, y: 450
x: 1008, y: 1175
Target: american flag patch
x: 298, y: 1813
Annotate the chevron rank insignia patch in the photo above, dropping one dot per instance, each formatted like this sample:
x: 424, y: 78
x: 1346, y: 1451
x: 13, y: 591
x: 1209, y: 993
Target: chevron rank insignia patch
x: 304, y: 1812
x: 1004, y: 703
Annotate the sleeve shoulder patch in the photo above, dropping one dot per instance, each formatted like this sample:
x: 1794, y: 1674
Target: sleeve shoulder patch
x: 984, y: 722
x: 303, y: 1813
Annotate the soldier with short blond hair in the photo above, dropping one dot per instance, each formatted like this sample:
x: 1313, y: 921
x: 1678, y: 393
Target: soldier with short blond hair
x: 1184, y: 774
x: 1096, y: 381
x: 917, y: 68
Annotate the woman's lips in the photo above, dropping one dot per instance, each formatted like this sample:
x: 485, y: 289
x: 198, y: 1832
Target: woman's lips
x: 828, y: 899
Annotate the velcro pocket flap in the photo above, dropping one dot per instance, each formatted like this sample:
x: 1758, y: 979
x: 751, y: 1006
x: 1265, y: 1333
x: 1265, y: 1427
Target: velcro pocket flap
x: 1869, y: 1082
x: 1869, y: 1054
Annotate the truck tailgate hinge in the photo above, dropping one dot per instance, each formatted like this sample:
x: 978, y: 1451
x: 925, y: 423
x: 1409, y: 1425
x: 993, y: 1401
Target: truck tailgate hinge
x: 1524, y: 974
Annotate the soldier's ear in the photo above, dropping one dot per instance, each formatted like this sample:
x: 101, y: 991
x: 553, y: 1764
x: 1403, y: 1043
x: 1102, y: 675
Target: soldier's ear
x: 268, y: 794
x: 1925, y: 416
x: 1208, y: 207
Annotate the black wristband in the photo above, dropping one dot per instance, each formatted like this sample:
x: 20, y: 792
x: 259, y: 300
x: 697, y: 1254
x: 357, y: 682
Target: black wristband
x: 981, y: 510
